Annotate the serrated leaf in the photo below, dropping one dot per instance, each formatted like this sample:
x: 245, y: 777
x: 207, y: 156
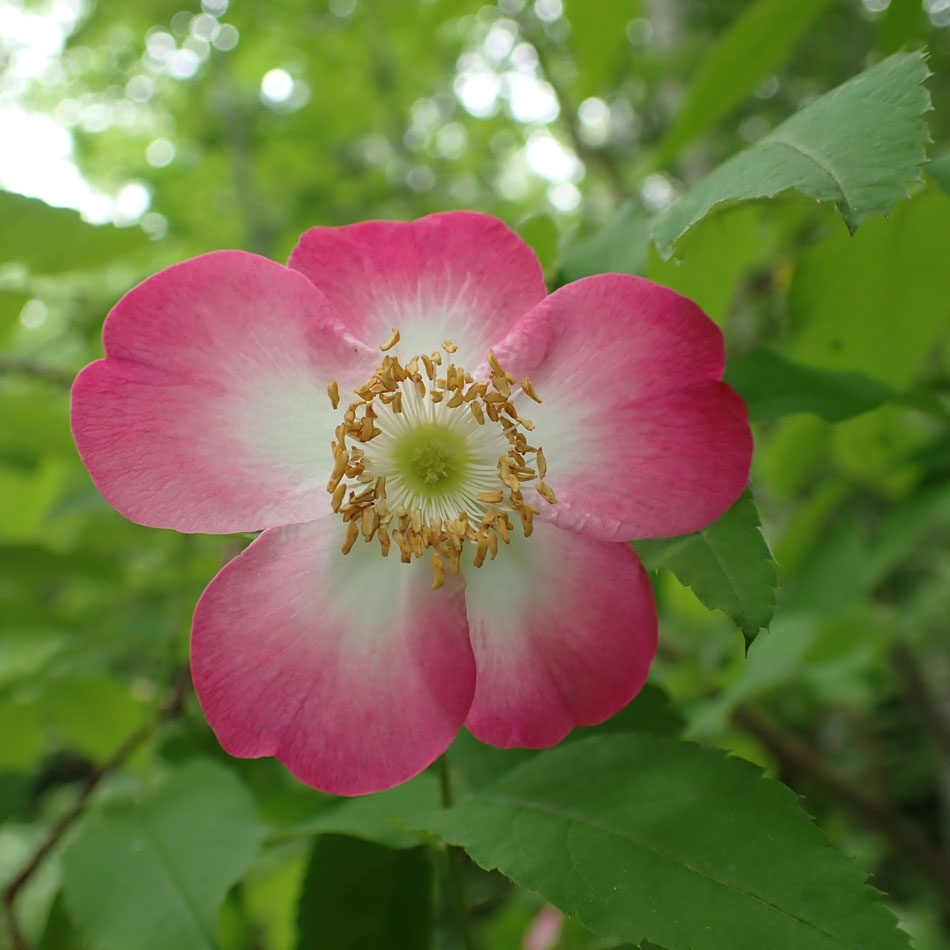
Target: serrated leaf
x: 647, y: 838
x: 357, y: 894
x: 727, y: 565
x: 757, y: 43
x: 773, y: 386
x: 857, y: 145
x: 153, y: 875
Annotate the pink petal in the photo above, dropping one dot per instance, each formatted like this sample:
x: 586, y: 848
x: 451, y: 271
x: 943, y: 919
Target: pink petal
x: 210, y: 412
x: 641, y: 438
x: 564, y: 629
x: 459, y: 275
x: 351, y: 670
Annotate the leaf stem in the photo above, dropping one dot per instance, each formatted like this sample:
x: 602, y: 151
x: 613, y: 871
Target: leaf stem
x: 453, y: 862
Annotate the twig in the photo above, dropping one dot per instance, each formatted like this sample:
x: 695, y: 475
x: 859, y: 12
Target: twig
x: 17, y: 367
x: 232, y: 121
x: 170, y: 710
x: 795, y: 755
x: 921, y: 696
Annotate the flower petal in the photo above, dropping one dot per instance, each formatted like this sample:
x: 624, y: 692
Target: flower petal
x: 351, y: 670
x: 641, y: 438
x: 564, y: 629
x: 458, y: 275
x: 210, y: 412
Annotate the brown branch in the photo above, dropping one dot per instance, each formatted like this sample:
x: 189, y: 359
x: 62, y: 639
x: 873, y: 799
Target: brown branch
x: 921, y: 697
x: 797, y: 756
x: 16, y: 367
x: 172, y: 708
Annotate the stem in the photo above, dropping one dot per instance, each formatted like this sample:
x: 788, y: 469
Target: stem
x: 453, y: 866
x: 169, y: 710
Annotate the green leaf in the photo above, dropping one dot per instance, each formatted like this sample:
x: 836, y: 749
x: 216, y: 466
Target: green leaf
x: 875, y: 303
x: 773, y: 386
x: 93, y: 714
x: 478, y: 764
x: 620, y: 247
x: 759, y: 41
x: 542, y: 233
x: 53, y: 240
x: 857, y: 145
x: 384, y: 818
x: 153, y: 875
x: 358, y: 894
x: 714, y: 259
x: 598, y: 40
x: 643, y: 837
x: 939, y: 171
x: 727, y: 565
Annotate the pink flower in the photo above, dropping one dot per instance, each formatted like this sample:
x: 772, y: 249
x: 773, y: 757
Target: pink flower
x: 509, y: 601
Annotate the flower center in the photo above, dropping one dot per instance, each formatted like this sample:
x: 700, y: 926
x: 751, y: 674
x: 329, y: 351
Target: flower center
x: 432, y: 458
x: 435, y: 461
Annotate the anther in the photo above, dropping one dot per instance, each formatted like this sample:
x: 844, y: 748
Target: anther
x: 544, y: 490
x: 370, y: 523
x: 438, y: 572
x: 528, y: 389
x: 477, y: 413
x: 352, y: 533
x: 527, y: 525
x: 490, y: 497
x: 449, y: 346
x: 333, y: 391
x: 393, y: 340
x: 542, y: 463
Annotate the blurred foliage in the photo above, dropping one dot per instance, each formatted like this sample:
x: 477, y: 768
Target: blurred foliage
x: 578, y: 124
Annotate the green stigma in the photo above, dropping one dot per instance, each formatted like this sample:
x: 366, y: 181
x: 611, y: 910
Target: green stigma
x: 432, y: 459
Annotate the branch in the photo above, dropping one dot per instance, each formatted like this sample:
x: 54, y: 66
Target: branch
x: 171, y: 709
x: 232, y: 121
x: 16, y: 367
x: 922, y: 698
x: 797, y: 756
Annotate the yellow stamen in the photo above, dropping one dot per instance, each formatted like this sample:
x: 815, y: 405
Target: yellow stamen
x: 358, y: 483
x: 527, y: 387
x: 352, y: 533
